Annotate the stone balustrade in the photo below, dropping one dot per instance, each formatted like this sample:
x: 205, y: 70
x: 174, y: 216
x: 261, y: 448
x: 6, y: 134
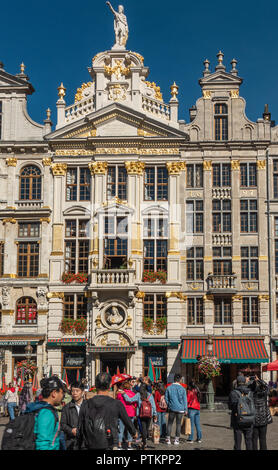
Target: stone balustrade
x: 79, y: 109
x: 216, y: 282
x: 156, y: 107
x: 221, y: 193
x: 112, y: 276
x: 222, y: 239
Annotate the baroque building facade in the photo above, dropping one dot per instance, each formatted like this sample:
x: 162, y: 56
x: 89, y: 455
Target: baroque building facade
x: 129, y: 235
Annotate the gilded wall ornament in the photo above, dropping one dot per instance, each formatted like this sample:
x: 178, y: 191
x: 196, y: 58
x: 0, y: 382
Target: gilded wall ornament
x: 261, y: 164
x: 12, y: 161
x: 140, y: 295
x: 59, y: 169
x: 207, y: 164
x: 9, y: 220
x: 46, y: 161
x: 207, y: 94
x: 118, y: 70
x: 234, y: 94
x: 117, y: 92
x: 82, y: 91
x: 235, y: 165
x: 174, y: 168
x: 264, y: 297
x: 98, y: 168
x: 153, y: 85
x: 135, y: 168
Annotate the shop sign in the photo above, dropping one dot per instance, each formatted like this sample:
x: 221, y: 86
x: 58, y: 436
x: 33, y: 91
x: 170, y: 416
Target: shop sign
x: 15, y: 343
x: 158, y: 361
x: 74, y: 361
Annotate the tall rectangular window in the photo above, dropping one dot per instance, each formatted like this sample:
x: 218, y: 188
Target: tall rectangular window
x: 221, y: 174
x: 76, y: 246
x: 75, y: 306
x: 117, y: 182
x: 155, y: 244
x: 249, y: 263
x: 195, y: 263
x: 194, y: 176
x: 156, y: 184
x: 28, y: 251
x: 78, y: 184
x: 222, y: 261
x: 275, y: 179
x: 155, y: 306
x: 195, y: 311
x: 221, y: 122
x: 115, y: 241
x: 194, y: 216
x: 221, y: 215
x: 248, y: 175
x: 222, y: 311
x: 250, y: 310
x: 248, y: 216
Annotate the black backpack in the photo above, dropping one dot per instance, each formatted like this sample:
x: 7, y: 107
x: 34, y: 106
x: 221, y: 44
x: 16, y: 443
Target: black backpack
x: 19, y: 433
x: 245, y: 415
x: 97, y: 429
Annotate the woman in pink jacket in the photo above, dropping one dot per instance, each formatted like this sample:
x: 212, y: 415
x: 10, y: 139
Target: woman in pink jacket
x: 130, y: 409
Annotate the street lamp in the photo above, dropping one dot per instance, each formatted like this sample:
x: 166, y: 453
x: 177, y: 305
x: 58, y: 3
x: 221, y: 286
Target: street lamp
x: 28, y: 353
x: 210, y: 389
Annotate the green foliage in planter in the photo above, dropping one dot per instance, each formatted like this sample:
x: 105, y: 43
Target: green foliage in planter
x: 161, y: 323
x: 80, y: 325
x: 148, y: 324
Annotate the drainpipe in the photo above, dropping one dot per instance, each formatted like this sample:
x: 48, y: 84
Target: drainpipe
x: 269, y: 246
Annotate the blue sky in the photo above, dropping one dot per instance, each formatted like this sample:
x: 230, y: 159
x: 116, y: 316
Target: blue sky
x: 57, y: 40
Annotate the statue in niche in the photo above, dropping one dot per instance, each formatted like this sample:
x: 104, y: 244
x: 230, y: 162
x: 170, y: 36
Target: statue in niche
x: 114, y: 317
x: 120, y: 27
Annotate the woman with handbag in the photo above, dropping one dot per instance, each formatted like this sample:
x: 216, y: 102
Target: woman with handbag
x: 262, y: 417
x: 193, y: 403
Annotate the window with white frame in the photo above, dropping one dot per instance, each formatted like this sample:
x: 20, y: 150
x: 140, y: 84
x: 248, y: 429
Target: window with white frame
x: 115, y: 240
x: 117, y: 182
x: 76, y: 246
x: 155, y: 235
x: 156, y: 183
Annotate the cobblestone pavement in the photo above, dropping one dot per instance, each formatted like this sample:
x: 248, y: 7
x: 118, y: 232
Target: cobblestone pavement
x: 217, y: 434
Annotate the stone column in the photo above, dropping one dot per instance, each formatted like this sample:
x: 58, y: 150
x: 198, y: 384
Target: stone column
x: 54, y: 319
x: 236, y: 260
x: 57, y: 262
x: 262, y: 227
x: 45, y: 246
x: 237, y: 314
x: 135, y: 171
x: 10, y: 251
x: 11, y: 163
x: 208, y: 314
x: 47, y: 183
x: 208, y: 266
x: 98, y: 171
x: 174, y: 170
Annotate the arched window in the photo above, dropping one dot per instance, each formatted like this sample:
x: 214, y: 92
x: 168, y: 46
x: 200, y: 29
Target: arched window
x: 26, y: 311
x: 221, y: 121
x: 30, y: 183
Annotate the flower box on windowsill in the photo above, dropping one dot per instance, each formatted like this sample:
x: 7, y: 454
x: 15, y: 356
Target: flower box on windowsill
x: 79, y: 278
x: 73, y: 327
x: 157, y: 277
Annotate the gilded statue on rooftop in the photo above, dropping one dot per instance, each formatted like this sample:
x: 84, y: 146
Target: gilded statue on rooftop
x: 120, y: 27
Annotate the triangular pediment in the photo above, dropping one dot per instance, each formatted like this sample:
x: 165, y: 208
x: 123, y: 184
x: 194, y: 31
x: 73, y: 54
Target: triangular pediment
x: 221, y: 76
x: 115, y: 121
x: 12, y: 81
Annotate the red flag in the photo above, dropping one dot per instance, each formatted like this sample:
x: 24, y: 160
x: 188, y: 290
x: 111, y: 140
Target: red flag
x: 107, y: 370
x: 65, y: 377
x: 118, y: 370
x: 22, y: 379
x: 77, y: 375
x: 35, y: 382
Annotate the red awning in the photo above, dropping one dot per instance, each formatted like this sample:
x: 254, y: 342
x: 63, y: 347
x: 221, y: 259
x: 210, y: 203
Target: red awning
x: 228, y: 350
x: 271, y: 366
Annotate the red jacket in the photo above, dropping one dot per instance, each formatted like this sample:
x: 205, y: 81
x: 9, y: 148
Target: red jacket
x: 157, y: 397
x: 192, y: 400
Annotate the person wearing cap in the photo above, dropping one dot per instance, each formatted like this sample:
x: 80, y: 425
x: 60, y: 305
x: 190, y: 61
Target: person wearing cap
x: 47, y: 427
x: 247, y: 432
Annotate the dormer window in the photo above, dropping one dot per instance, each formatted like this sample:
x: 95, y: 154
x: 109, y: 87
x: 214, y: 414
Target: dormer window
x: 221, y: 121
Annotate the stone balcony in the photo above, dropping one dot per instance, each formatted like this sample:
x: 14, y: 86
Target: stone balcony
x: 108, y: 278
x: 29, y: 204
x: 221, y: 193
x: 221, y: 284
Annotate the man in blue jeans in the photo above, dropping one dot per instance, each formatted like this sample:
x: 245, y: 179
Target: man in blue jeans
x: 176, y: 400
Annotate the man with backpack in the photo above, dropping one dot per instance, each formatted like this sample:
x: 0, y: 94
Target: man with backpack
x: 176, y: 400
x: 38, y: 427
x: 241, y: 404
x: 98, y: 418
x: 70, y: 414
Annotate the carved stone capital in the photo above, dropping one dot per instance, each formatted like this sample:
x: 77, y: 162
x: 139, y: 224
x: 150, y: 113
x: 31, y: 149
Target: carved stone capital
x: 135, y: 168
x: 12, y: 161
x: 46, y: 161
x: 235, y: 164
x: 261, y: 164
x: 207, y: 165
x: 59, y: 169
x: 98, y: 168
x: 174, y: 168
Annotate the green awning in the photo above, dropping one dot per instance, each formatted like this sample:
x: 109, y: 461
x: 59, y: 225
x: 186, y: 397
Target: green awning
x: 166, y: 343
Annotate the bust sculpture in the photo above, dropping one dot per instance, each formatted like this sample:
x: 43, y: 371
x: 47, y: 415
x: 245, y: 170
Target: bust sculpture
x: 120, y: 27
x: 114, y: 318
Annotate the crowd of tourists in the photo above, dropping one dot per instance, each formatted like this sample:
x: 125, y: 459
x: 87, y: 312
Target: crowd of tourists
x: 127, y: 415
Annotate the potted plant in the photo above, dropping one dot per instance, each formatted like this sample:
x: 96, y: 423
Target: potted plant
x: 161, y: 276
x: 148, y: 324
x: 26, y: 367
x: 161, y: 323
x: 155, y: 276
x: 80, y: 326
x: 80, y: 278
x: 67, y: 325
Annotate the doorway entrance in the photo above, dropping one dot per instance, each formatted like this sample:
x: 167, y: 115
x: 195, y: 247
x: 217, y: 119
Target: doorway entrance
x: 113, y: 363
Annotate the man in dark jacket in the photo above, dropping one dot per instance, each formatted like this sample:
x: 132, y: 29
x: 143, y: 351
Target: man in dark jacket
x: 98, y: 418
x: 239, y: 430
x: 263, y: 416
x: 70, y: 414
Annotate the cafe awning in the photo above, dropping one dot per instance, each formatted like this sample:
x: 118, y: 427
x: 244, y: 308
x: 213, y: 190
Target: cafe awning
x: 227, y: 350
x: 157, y: 342
x: 113, y: 349
x: 67, y: 341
